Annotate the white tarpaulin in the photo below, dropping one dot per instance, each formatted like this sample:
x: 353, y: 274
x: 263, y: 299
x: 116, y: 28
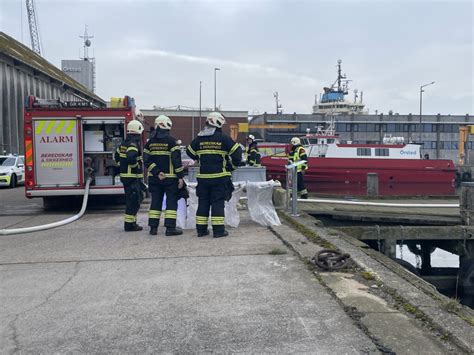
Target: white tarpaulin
x: 232, y: 217
x: 260, y: 204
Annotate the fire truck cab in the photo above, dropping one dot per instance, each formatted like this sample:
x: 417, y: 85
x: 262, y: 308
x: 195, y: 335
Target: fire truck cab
x: 67, y: 142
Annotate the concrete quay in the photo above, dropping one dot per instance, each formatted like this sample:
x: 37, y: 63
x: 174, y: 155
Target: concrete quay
x: 88, y: 287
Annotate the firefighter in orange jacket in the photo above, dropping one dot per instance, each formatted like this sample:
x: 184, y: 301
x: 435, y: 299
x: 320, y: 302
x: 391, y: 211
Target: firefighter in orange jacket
x: 297, y: 154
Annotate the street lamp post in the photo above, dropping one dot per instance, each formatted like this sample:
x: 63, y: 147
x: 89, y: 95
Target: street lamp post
x: 215, y: 88
x: 421, y: 103
x: 200, y: 111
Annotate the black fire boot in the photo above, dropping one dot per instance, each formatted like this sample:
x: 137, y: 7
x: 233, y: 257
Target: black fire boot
x: 203, y: 233
x: 221, y: 234
x: 153, y: 230
x: 173, y: 231
x: 132, y: 227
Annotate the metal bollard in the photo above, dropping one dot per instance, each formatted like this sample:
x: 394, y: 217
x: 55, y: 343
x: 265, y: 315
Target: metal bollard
x: 294, y: 195
x: 372, y: 184
x: 293, y: 168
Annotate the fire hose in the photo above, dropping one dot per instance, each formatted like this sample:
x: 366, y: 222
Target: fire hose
x: 330, y: 260
x: 54, y: 224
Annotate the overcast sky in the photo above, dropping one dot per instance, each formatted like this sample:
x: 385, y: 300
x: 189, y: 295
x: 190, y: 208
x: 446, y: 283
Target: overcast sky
x: 158, y: 51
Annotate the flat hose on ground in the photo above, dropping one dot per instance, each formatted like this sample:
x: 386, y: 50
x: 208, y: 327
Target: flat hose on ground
x: 55, y: 224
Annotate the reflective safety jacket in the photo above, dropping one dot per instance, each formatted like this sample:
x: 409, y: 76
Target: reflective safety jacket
x: 253, y: 155
x: 298, y: 153
x: 216, y: 153
x: 162, y: 155
x: 130, y: 160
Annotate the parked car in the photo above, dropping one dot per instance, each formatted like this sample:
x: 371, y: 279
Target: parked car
x: 12, y: 170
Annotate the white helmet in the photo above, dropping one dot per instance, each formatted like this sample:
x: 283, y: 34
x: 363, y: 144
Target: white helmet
x: 251, y: 136
x: 135, y: 127
x: 138, y: 114
x: 295, y: 141
x: 215, y: 119
x: 163, y: 122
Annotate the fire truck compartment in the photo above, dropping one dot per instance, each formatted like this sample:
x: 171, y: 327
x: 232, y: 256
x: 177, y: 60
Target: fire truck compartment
x: 101, y: 140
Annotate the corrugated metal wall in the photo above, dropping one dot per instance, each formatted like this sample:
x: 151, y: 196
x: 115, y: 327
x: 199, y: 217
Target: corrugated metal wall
x: 17, y: 82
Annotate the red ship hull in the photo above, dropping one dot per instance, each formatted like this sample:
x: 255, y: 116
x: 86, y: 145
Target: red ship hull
x: 348, y: 176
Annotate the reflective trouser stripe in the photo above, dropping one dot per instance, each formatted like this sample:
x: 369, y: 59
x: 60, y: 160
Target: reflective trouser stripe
x: 212, y: 176
x: 201, y: 220
x: 129, y: 218
x: 217, y: 221
x: 154, y: 214
x: 170, y: 214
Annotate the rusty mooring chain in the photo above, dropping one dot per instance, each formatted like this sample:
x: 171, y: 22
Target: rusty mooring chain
x: 330, y: 260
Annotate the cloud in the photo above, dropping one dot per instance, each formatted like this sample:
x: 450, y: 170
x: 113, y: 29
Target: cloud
x: 135, y: 54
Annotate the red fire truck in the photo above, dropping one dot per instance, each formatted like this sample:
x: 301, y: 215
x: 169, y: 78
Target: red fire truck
x: 66, y: 142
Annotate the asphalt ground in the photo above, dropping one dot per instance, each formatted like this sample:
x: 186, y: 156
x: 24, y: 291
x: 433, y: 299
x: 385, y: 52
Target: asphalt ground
x: 89, y: 287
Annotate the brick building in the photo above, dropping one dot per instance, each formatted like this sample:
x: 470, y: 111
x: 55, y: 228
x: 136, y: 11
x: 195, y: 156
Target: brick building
x: 188, y: 123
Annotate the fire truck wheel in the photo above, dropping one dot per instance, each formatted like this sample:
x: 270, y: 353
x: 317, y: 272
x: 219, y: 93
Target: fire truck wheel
x: 50, y: 203
x: 13, y: 181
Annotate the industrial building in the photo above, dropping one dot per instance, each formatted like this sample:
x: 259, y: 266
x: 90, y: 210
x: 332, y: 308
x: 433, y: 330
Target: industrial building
x: 24, y: 73
x: 187, y: 123
x: 439, y: 133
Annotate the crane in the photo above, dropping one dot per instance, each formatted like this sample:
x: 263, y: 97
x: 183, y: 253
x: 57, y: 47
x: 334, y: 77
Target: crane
x: 34, y: 32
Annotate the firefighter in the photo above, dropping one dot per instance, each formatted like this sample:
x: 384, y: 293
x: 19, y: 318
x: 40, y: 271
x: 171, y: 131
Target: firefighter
x: 253, y: 154
x: 217, y: 155
x: 297, y: 154
x: 162, y: 158
x: 131, y: 174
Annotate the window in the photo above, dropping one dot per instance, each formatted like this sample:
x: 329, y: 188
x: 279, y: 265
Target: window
x: 370, y: 127
x: 341, y: 127
x: 391, y: 127
x: 355, y: 127
x: 362, y: 127
x: 9, y: 162
x: 406, y: 127
x: 428, y: 127
x: 444, y: 145
x: 363, y: 152
x: 381, y: 152
x: 20, y: 161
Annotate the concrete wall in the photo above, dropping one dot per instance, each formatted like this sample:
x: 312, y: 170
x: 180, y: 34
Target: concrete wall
x: 80, y: 70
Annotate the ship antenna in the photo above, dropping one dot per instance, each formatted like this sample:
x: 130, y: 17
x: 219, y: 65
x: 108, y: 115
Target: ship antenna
x: 339, y: 76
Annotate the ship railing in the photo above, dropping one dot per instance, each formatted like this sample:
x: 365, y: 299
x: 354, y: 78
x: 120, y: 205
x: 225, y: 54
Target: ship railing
x: 292, y: 174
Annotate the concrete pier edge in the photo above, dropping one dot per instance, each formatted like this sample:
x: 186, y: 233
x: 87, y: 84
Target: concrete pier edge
x: 411, y: 294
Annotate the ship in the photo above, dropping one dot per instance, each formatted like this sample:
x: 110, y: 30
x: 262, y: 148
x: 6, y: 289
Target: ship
x: 333, y: 99
x: 341, y: 168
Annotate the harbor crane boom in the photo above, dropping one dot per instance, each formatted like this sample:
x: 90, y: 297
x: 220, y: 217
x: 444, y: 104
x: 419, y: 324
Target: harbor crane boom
x: 34, y: 32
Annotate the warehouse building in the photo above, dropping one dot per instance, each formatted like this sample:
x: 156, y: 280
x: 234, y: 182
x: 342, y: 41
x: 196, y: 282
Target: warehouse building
x: 439, y: 133
x: 24, y: 73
